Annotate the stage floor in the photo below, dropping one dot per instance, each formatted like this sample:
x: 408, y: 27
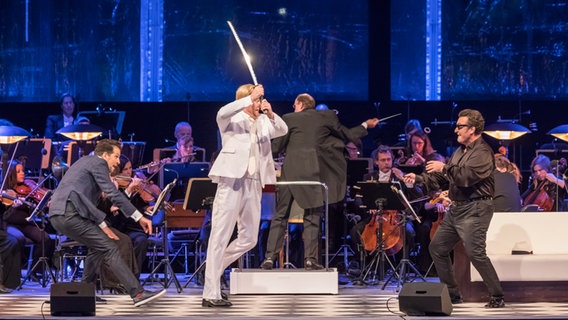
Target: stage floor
x: 352, y: 302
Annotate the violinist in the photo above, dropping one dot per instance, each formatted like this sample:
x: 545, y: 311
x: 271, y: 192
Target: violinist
x: 545, y: 189
x: 10, y: 258
x: 20, y: 189
x: 132, y: 185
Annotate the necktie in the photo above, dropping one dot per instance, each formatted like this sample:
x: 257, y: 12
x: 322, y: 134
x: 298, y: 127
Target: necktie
x: 253, y: 155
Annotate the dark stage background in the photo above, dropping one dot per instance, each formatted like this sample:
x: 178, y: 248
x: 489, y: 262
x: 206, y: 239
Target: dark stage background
x: 370, y: 44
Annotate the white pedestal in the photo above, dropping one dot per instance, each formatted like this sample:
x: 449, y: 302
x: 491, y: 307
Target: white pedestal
x: 284, y: 281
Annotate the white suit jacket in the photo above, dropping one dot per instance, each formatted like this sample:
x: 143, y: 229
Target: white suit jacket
x: 234, y: 125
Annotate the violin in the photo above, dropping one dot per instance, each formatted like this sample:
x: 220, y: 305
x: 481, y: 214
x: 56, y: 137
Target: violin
x: 147, y: 190
x: 439, y: 197
x: 31, y: 190
x: 9, y: 196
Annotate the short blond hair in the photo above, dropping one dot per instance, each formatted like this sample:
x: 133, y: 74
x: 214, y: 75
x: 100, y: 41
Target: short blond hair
x: 244, y: 91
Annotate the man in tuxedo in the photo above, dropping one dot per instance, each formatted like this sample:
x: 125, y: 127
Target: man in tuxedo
x: 73, y: 212
x: 244, y: 165
x: 314, y: 146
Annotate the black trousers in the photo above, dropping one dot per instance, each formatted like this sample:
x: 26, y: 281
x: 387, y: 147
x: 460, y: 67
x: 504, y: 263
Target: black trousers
x: 312, y: 221
x: 102, y: 249
x: 468, y: 222
x: 10, y: 260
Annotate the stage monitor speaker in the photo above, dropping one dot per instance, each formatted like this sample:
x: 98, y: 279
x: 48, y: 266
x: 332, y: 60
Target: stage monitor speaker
x: 72, y: 299
x: 425, y: 299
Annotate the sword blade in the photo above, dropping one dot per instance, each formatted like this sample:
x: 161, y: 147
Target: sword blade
x: 244, y: 52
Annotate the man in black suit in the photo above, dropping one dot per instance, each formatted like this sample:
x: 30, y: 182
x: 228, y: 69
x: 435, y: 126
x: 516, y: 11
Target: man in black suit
x: 314, y: 146
x: 55, y: 122
x: 73, y: 212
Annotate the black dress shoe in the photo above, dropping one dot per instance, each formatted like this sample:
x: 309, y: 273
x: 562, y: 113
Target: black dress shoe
x: 456, y: 299
x: 267, y: 264
x: 100, y: 300
x: 496, y: 302
x: 214, y: 303
x: 312, y: 265
x: 4, y: 289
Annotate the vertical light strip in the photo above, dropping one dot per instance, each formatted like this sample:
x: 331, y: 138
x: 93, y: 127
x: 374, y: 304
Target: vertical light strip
x: 433, y: 49
x: 27, y: 20
x: 151, y: 49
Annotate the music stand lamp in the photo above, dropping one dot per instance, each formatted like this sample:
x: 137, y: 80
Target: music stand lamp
x: 199, y: 195
x: 39, y: 211
x: 165, y: 262
x: 560, y: 132
x: 10, y: 135
x: 81, y: 133
x: 505, y: 132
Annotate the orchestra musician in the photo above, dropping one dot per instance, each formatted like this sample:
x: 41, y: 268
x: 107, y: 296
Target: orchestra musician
x: 55, y: 122
x: 419, y: 147
x: 506, y: 197
x: 545, y: 190
x: 10, y: 258
x: 141, y: 193
x: 383, y: 158
x: 26, y: 194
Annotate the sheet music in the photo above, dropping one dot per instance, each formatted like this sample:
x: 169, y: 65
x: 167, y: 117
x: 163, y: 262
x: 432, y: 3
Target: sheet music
x: 162, y: 197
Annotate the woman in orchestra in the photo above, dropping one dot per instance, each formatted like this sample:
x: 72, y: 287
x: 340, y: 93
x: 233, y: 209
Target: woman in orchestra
x: 419, y: 147
x: 546, y: 190
x: 506, y: 197
x: 23, y: 195
x: 140, y: 194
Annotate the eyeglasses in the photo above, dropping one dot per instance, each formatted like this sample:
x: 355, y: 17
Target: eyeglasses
x: 460, y: 126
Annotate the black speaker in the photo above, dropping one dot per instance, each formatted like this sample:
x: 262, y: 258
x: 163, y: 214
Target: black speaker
x: 425, y: 299
x: 72, y: 299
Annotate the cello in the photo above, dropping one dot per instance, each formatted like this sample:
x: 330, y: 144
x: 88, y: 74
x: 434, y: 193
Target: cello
x: 391, y: 230
x: 540, y: 197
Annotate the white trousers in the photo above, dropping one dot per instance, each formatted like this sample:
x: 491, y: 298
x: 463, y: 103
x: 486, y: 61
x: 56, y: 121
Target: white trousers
x: 237, y: 201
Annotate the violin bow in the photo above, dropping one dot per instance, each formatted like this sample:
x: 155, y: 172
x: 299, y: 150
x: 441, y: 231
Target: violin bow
x: 244, y: 52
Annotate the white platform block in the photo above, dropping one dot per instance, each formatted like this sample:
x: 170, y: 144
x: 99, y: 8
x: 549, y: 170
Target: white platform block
x: 284, y: 281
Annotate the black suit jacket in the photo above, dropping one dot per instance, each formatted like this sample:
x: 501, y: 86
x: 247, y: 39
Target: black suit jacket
x: 315, y: 146
x: 83, y: 185
x: 53, y: 123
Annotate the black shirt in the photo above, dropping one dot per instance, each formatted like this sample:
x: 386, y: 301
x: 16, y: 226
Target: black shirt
x: 507, y: 197
x: 469, y: 172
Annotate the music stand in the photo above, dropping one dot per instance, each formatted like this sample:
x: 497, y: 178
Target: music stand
x: 404, y: 262
x: 378, y: 196
x: 39, y: 211
x: 200, y: 195
x: 165, y: 262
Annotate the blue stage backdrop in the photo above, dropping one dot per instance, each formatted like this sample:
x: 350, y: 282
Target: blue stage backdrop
x: 157, y: 50
x: 479, y: 50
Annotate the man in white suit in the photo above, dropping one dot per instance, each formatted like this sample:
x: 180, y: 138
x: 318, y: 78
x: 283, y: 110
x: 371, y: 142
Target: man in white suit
x: 241, y: 170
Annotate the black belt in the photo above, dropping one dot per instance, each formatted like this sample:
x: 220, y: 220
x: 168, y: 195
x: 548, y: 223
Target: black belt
x: 462, y: 202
